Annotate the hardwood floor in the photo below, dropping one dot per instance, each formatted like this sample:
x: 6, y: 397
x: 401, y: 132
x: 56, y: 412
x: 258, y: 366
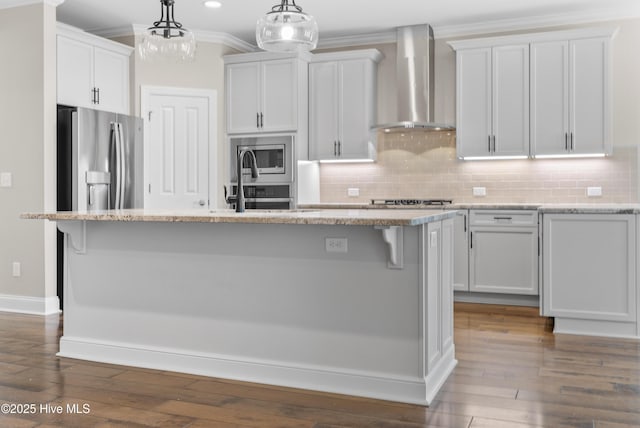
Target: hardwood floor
x: 512, y: 373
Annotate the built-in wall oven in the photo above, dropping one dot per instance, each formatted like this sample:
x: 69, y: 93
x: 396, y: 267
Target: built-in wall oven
x: 273, y: 188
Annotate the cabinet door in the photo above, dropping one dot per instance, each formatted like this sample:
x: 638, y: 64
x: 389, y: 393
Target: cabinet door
x: 355, y: 108
x: 461, y: 252
x: 589, y: 95
x: 279, y: 95
x: 511, y: 100
x: 243, y: 94
x: 550, y: 98
x: 589, y: 266
x: 473, y: 99
x: 111, y: 78
x: 323, y: 114
x: 74, y: 73
x: 504, y: 260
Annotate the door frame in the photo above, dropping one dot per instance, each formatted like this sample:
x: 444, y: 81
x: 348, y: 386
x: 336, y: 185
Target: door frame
x: 146, y: 92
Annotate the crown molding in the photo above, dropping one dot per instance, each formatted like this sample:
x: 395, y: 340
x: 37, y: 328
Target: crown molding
x: 534, y: 22
x: 201, y: 36
x: 358, y: 40
x: 8, y: 4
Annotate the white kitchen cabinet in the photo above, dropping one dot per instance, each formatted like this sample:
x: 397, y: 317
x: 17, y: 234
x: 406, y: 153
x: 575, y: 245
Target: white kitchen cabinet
x: 493, y: 101
x: 263, y: 95
x: 503, y: 256
x: 92, y: 72
x: 461, y: 251
x: 570, y: 97
x: 342, y: 105
x: 589, y: 270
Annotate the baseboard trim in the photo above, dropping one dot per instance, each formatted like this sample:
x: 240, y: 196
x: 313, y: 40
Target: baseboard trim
x: 29, y: 305
x: 439, y: 374
x: 316, y: 378
x: 497, y: 299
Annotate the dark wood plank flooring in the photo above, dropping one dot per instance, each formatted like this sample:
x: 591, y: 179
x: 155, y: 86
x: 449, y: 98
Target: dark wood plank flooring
x: 512, y: 373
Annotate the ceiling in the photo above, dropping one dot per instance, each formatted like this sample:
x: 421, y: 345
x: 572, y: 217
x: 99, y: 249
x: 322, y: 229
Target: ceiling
x: 340, y: 18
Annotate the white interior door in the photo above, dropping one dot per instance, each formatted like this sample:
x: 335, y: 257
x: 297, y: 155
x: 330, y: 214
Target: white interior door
x: 179, y: 148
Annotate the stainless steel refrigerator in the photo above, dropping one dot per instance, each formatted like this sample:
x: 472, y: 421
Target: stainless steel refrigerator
x: 99, y: 165
x: 100, y: 160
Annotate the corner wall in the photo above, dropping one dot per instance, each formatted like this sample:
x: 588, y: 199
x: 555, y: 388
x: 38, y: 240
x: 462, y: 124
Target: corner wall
x: 27, y: 151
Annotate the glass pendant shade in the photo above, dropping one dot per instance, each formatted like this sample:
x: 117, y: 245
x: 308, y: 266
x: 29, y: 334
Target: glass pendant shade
x: 287, y: 29
x: 167, y: 40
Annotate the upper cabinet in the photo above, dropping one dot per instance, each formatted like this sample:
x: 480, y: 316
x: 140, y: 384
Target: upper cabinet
x: 92, y: 72
x: 493, y: 101
x: 342, y: 105
x: 543, y: 94
x: 570, y: 97
x: 265, y: 93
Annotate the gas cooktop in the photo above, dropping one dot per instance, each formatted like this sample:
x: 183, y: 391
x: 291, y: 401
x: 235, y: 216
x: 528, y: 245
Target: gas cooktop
x: 402, y: 202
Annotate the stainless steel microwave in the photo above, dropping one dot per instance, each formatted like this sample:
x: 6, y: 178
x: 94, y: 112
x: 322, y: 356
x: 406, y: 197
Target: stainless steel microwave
x: 273, y: 154
x: 269, y: 157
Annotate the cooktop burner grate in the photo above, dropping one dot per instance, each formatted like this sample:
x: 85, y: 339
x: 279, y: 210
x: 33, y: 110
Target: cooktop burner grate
x: 411, y: 201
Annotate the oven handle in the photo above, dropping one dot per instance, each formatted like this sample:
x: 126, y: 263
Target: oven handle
x: 268, y: 199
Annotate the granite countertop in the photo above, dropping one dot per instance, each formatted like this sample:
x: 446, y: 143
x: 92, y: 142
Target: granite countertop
x: 540, y: 207
x: 356, y: 217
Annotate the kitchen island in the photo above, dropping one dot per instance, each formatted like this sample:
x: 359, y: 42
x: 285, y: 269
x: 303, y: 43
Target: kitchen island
x: 357, y: 302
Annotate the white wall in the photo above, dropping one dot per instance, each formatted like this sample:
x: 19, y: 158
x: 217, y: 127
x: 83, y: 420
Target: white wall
x: 27, y: 150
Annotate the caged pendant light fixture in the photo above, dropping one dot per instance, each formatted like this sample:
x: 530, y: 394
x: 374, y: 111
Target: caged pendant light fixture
x: 286, y: 28
x: 167, y: 39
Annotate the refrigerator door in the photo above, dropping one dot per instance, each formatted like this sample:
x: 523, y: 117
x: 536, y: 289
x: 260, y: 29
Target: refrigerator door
x: 131, y: 161
x: 92, y: 144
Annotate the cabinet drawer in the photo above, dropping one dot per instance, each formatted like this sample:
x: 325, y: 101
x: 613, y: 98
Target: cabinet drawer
x: 503, y: 218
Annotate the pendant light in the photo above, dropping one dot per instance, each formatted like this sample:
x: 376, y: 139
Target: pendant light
x: 286, y: 28
x: 167, y: 39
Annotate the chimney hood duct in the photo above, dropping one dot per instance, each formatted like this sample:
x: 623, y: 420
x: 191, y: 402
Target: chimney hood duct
x: 415, y: 81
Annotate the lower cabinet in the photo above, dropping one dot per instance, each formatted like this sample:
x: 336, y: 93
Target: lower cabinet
x: 589, y: 270
x: 503, y: 255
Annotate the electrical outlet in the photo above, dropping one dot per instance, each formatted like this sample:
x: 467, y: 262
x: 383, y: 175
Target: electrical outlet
x: 594, y: 192
x: 479, y: 191
x: 336, y: 245
x: 353, y: 192
x: 5, y: 179
x: 17, y: 269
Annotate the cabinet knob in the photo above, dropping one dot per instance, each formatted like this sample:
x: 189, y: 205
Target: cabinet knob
x: 201, y: 202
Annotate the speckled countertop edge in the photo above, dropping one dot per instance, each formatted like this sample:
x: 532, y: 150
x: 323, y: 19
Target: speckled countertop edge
x: 356, y: 217
x: 543, y: 208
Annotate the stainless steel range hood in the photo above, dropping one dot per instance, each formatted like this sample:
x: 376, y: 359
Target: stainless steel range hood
x: 415, y: 81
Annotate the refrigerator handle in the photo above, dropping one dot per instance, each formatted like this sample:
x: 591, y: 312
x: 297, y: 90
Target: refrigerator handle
x: 120, y: 165
x: 115, y: 136
x: 123, y: 166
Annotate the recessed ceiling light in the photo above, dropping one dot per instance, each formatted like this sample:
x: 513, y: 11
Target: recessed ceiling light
x: 213, y: 4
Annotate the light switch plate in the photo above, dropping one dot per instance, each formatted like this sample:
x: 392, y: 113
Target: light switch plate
x: 5, y: 179
x: 336, y: 245
x: 353, y: 192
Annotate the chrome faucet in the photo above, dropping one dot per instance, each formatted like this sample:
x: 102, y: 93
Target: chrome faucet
x: 239, y: 197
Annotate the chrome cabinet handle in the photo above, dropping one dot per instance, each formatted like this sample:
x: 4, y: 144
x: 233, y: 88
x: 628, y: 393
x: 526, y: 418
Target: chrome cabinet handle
x: 261, y: 120
x: 566, y: 141
x: 335, y: 148
x: 257, y: 120
x: 339, y: 148
x: 97, y: 95
x: 494, y: 144
x: 503, y: 218
x: 489, y: 141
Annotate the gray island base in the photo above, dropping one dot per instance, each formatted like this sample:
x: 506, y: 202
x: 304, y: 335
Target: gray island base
x: 259, y: 298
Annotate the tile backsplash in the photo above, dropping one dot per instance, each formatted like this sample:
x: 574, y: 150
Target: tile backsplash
x: 424, y: 165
